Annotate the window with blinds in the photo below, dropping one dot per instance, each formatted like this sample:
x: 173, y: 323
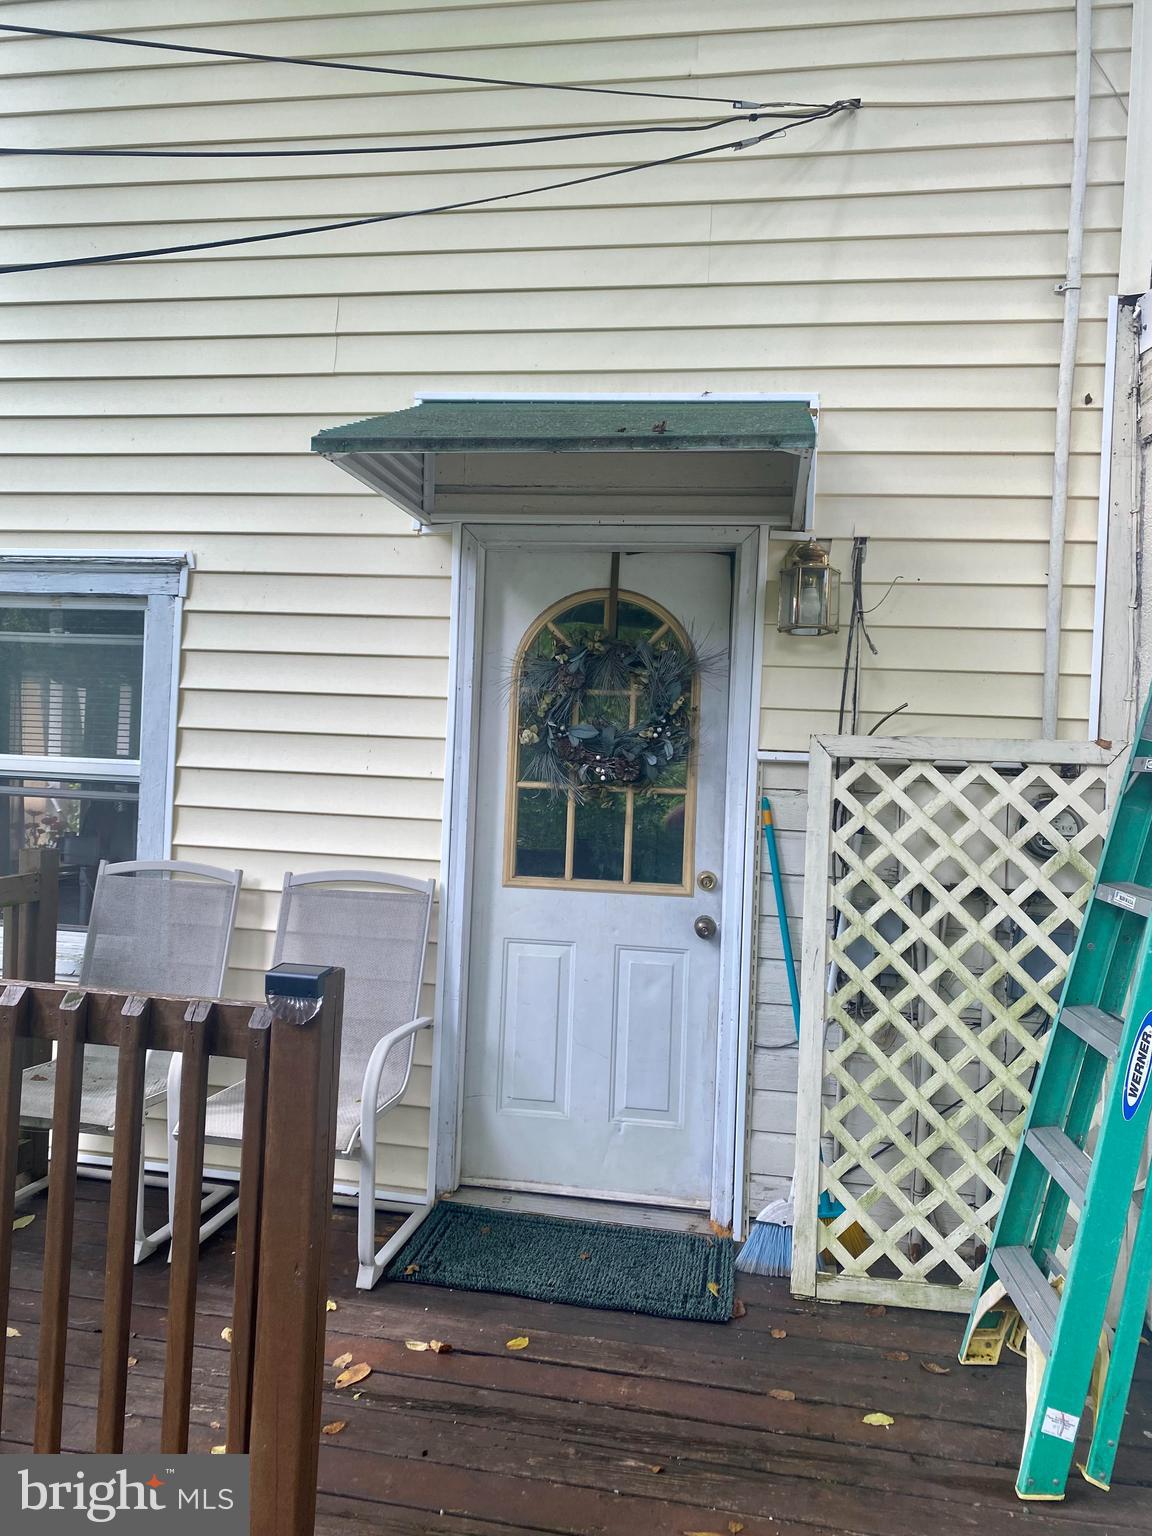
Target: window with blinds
x: 71, y: 675
x: 70, y: 681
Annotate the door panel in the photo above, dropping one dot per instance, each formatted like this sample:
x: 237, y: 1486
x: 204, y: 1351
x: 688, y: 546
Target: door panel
x: 590, y: 1061
x: 536, y: 1019
x: 648, y: 1044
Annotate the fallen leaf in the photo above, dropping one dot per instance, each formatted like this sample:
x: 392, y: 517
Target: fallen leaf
x: 413, y: 1269
x: 214, y: 1424
x: 132, y: 1360
x: 935, y: 1370
x: 416, y: 1344
x: 875, y: 1311
x: 655, y: 1467
x: 219, y: 1450
x: 226, y: 1335
x: 713, y: 1288
x: 335, y: 1427
x: 329, y: 1305
x: 438, y: 1347
x: 735, y: 1527
x: 739, y: 1309
x: 352, y: 1375
x: 356, y: 1396
x: 484, y: 1231
x: 341, y: 1361
x: 779, y: 1333
x: 877, y: 1418
x: 895, y: 1354
x: 13, y: 1333
x: 718, y: 1228
x: 585, y: 1256
x: 782, y: 1395
x: 23, y: 1221
x: 521, y: 1341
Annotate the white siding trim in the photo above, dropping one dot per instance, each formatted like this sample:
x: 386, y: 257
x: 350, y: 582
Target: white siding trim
x: 1103, y: 521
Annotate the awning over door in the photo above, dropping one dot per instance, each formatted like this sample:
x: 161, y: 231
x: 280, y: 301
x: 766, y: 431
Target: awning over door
x: 444, y: 460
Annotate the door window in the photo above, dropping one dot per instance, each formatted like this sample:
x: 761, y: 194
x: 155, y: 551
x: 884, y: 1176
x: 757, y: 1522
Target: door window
x: 595, y: 836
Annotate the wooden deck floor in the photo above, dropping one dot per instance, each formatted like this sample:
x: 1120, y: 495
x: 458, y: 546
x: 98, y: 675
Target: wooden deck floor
x: 607, y: 1423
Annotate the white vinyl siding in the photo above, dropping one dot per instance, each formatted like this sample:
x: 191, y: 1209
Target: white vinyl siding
x: 900, y: 263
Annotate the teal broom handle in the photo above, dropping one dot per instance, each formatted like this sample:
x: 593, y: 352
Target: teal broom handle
x: 781, y: 911
x: 829, y: 1209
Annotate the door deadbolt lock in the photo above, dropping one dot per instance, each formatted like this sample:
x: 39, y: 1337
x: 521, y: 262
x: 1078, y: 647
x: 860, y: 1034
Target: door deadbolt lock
x: 706, y: 880
x: 705, y: 927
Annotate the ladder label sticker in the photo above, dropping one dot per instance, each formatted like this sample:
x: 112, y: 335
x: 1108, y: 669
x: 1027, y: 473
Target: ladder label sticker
x: 1123, y: 899
x: 1061, y: 1426
x: 1139, y: 1069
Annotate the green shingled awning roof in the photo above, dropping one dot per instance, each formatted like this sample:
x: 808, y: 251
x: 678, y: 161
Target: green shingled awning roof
x: 398, y: 454
x: 575, y: 426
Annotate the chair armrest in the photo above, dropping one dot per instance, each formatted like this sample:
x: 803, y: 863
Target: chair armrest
x: 375, y: 1069
x: 401, y: 1032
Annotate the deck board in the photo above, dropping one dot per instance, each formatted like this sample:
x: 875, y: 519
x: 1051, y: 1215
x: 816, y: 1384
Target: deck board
x: 607, y: 1423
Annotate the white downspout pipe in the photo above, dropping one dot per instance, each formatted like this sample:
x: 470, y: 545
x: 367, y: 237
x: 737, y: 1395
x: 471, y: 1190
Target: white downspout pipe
x: 1070, y: 287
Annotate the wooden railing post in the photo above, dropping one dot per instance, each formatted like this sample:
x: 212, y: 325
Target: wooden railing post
x: 36, y: 952
x: 33, y: 958
x: 299, y: 1156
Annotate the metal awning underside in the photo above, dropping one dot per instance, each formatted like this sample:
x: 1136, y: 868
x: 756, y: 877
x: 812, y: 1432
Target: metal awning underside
x: 397, y: 454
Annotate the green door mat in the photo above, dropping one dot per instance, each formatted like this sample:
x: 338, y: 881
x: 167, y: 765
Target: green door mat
x: 583, y: 1263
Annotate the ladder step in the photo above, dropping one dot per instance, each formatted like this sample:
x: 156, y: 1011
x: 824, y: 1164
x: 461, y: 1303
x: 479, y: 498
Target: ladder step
x: 1035, y: 1299
x: 1063, y: 1159
x: 1102, y: 1031
x: 1129, y: 898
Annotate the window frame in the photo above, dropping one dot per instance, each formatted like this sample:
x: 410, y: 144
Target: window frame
x: 687, y: 791
x: 160, y: 580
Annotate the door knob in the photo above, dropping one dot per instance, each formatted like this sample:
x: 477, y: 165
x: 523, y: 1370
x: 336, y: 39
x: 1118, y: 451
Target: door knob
x: 705, y: 927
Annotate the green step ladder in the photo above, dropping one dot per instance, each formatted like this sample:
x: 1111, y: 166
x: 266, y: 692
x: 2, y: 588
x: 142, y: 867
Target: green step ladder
x: 1098, y: 1058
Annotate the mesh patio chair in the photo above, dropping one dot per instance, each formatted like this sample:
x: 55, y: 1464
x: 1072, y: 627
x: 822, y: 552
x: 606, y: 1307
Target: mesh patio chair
x: 156, y: 926
x: 374, y: 925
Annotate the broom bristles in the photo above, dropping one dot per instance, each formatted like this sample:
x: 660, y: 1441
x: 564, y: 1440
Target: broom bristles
x: 767, y: 1251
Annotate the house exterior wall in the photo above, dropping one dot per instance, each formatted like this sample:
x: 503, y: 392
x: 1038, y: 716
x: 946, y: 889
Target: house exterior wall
x: 900, y: 262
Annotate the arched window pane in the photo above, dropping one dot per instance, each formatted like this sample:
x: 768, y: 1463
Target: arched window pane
x: 620, y: 836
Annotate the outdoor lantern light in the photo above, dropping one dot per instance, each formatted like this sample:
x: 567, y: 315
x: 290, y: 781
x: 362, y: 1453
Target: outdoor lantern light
x: 809, y: 592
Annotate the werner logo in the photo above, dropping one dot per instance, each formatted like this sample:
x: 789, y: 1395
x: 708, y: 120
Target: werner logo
x: 55, y: 1495
x: 1139, y: 1069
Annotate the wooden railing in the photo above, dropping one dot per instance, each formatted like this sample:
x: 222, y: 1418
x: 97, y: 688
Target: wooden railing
x: 30, y: 900
x: 286, y: 1170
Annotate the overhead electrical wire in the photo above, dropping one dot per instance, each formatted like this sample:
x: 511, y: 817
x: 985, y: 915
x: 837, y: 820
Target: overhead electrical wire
x: 391, y: 149
x: 386, y: 69
x: 410, y: 213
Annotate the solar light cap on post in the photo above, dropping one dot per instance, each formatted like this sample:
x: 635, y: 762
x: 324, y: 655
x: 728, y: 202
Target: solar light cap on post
x: 294, y: 992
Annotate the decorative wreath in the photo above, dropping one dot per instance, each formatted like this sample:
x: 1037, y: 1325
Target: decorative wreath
x: 577, y: 748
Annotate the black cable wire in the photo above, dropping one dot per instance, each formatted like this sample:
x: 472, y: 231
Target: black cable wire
x: 381, y: 69
x: 392, y: 149
x: 411, y: 213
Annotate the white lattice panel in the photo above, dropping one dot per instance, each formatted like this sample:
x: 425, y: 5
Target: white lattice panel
x: 937, y: 933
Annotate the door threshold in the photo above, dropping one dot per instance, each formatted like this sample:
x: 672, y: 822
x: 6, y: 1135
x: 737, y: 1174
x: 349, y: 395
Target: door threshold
x: 575, y: 1208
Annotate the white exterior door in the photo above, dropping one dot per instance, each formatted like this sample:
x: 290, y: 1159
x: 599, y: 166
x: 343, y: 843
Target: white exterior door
x: 592, y: 1002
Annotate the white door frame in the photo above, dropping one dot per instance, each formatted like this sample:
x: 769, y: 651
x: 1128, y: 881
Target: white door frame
x: 748, y: 543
